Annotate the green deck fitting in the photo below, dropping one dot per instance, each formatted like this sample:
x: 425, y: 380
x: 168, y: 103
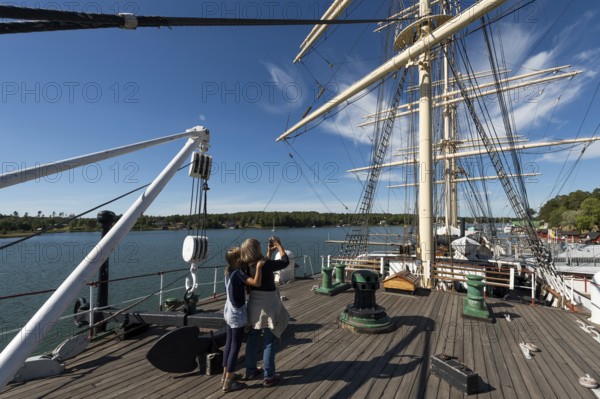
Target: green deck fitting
x: 474, y: 304
x: 365, y: 325
x: 329, y: 288
x: 364, y: 315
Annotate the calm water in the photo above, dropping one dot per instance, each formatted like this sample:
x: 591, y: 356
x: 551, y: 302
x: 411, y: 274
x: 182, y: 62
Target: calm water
x: 44, y: 262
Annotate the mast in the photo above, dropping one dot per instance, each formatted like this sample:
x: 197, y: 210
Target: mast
x: 426, y: 167
x: 448, y: 147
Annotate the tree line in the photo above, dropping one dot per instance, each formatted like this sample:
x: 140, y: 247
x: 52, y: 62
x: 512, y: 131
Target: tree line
x: 14, y: 222
x: 579, y: 210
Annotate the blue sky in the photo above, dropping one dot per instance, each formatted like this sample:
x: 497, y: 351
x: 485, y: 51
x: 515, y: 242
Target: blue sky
x: 69, y: 93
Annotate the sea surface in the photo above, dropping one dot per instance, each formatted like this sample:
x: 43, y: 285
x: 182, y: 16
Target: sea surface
x: 43, y: 262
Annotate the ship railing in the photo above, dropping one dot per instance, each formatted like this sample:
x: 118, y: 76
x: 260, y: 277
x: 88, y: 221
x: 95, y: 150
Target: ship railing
x: 94, y: 284
x: 385, y: 265
x: 493, y: 276
x: 216, y: 283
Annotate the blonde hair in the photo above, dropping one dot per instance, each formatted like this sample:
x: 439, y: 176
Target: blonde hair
x: 250, y: 251
x: 233, y: 259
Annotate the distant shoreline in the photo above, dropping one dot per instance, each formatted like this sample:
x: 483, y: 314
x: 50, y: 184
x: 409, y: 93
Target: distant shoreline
x: 61, y: 231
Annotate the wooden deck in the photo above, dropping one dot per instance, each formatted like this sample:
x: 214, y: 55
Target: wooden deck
x: 317, y: 359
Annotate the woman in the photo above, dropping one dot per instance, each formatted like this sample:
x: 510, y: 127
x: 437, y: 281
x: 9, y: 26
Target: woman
x: 236, y: 314
x: 266, y: 313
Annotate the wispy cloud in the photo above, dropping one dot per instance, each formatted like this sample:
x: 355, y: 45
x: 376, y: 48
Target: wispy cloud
x: 592, y: 151
x: 281, y: 92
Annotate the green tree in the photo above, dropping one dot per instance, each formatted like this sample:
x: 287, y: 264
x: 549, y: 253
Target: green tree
x: 591, y: 207
x: 584, y: 222
x: 569, y: 217
x: 554, y: 218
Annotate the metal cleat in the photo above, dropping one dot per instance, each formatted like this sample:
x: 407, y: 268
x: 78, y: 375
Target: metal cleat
x: 43, y: 366
x: 525, y: 350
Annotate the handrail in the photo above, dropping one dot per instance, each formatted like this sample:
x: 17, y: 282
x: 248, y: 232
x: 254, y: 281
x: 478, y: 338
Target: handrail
x: 95, y: 283
x: 206, y: 299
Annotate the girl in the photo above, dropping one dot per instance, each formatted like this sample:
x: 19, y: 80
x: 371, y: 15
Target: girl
x: 266, y: 313
x: 236, y: 315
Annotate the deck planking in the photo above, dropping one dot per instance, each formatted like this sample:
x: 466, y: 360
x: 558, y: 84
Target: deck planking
x: 318, y: 359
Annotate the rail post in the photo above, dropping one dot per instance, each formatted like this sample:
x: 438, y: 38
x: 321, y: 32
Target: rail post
x: 160, y: 292
x: 106, y: 219
x: 304, y: 260
x: 91, y: 312
x: 215, y: 285
x: 533, y: 289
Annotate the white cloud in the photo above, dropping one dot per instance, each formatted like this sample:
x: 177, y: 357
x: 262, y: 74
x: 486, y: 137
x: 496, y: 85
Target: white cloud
x: 571, y: 154
x: 278, y: 75
x: 281, y: 92
x: 588, y: 55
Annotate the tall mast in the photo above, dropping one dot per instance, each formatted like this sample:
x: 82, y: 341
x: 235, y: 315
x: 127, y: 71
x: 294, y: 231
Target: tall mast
x: 451, y: 207
x: 426, y: 169
x: 448, y: 146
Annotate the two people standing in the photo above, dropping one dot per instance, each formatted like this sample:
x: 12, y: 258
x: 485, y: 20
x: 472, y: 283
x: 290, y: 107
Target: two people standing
x: 264, y: 310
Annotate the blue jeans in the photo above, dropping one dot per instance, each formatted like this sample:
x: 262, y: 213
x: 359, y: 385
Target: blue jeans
x: 268, y: 352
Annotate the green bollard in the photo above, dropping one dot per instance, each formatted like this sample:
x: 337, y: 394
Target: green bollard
x: 474, y: 304
x: 339, y: 273
x: 329, y: 288
x: 326, y: 274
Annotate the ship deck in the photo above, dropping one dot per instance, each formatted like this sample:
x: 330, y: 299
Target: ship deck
x: 318, y: 359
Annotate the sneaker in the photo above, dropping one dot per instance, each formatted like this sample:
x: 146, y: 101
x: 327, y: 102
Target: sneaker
x: 270, y: 381
x: 234, y: 377
x: 230, y: 386
x: 255, y: 375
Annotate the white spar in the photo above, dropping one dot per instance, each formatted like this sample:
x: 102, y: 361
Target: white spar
x: 399, y: 61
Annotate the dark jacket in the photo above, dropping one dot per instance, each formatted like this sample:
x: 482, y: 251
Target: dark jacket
x: 268, y: 277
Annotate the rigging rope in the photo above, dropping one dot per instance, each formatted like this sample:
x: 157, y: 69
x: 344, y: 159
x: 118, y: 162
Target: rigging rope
x: 318, y: 179
x: 62, y: 223
x: 585, y: 146
x: 52, y: 20
x: 542, y: 255
x: 356, y: 241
